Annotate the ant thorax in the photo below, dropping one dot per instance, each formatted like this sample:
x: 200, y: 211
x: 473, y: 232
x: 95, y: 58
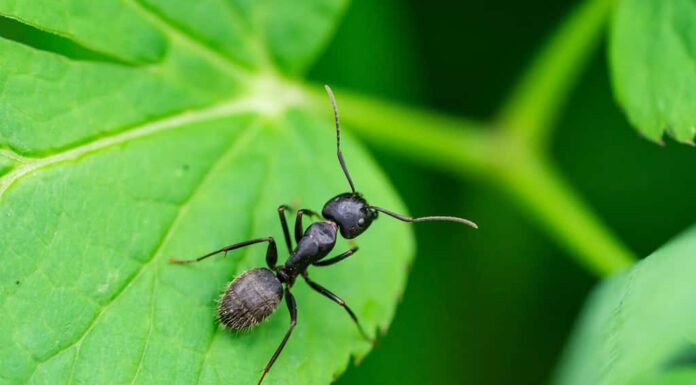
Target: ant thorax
x: 318, y: 240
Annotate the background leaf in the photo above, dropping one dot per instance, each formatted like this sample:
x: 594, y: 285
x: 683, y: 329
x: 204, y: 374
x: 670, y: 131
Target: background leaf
x: 638, y: 328
x: 170, y: 149
x: 653, y: 65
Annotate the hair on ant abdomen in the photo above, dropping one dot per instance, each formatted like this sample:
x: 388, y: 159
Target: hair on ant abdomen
x: 249, y: 299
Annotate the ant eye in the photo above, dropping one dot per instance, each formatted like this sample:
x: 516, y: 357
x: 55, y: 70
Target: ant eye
x: 361, y: 221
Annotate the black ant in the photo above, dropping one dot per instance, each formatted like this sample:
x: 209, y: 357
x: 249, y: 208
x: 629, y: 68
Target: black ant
x: 255, y: 294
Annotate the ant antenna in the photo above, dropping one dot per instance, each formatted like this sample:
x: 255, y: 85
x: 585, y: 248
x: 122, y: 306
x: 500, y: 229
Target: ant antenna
x: 338, y: 138
x: 425, y: 219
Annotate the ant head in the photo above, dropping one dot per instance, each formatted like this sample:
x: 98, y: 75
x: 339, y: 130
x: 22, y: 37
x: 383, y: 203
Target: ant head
x: 351, y: 213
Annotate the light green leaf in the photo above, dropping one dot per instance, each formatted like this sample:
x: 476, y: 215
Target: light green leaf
x: 653, y: 65
x: 7, y: 163
x: 639, y: 327
x: 184, y: 140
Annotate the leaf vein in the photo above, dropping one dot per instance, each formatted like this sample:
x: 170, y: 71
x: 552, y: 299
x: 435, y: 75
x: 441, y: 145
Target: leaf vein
x: 151, y: 324
x: 230, y: 108
x: 250, y: 234
x: 174, y: 31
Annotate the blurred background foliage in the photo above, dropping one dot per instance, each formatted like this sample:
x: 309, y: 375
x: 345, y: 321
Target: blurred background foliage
x: 497, y: 305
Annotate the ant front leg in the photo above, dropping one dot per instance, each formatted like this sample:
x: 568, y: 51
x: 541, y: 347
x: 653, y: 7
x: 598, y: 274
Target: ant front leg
x: 284, y: 224
x: 338, y: 258
x: 298, y: 222
x: 325, y: 292
x: 271, y: 252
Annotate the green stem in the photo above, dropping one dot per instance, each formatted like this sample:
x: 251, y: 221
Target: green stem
x: 550, y: 201
x: 444, y: 141
x: 535, y: 103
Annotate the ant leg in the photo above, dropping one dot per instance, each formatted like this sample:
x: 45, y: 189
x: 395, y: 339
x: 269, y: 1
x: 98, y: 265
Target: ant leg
x: 325, y: 292
x: 271, y: 252
x: 298, y: 222
x: 284, y: 224
x: 292, y: 307
x: 337, y: 258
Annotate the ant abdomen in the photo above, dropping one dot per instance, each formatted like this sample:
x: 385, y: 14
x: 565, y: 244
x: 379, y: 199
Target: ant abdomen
x: 249, y: 299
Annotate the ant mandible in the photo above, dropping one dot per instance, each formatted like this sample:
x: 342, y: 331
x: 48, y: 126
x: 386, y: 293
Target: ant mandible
x: 255, y: 294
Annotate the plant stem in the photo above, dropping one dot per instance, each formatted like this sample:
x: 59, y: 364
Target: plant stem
x: 444, y: 141
x: 540, y: 189
x: 537, y: 100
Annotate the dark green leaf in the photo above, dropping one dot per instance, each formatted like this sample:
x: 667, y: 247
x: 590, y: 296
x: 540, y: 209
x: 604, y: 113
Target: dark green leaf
x: 653, y: 65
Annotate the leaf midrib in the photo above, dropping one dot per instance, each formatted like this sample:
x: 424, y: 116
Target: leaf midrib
x: 258, y: 100
x: 234, y: 272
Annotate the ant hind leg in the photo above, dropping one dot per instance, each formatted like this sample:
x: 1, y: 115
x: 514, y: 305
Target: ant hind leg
x: 292, y: 307
x: 325, y: 292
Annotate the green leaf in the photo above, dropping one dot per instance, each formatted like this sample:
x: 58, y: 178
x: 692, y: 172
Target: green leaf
x: 639, y: 327
x: 183, y: 139
x: 6, y: 164
x: 653, y: 66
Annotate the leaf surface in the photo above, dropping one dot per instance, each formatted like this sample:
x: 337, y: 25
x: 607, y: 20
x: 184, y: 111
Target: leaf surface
x: 653, y: 66
x: 638, y: 328
x: 183, y: 140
